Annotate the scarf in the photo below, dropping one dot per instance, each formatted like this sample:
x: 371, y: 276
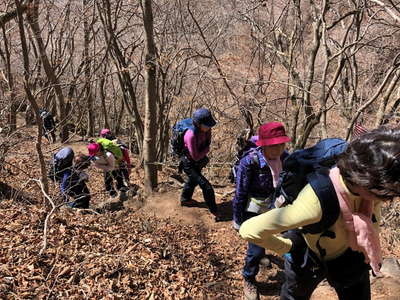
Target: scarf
x: 361, y: 234
x: 275, y: 165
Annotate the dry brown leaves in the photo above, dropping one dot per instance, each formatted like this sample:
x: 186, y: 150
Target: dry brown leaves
x: 111, y: 256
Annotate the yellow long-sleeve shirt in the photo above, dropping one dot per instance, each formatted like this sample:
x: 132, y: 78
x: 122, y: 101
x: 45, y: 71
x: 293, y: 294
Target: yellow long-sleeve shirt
x: 264, y: 229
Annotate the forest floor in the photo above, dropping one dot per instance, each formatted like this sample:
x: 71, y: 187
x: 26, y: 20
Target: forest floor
x: 133, y: 249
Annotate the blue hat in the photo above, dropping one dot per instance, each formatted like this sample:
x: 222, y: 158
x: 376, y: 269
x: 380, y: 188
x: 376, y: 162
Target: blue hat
x: 203, y: 116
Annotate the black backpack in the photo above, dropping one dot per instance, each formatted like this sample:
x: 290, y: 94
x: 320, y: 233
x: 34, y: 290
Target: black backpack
x: 312, y: 165
x: 248, y: 147
x: 60, y: 162
x: 178, y: 133
x: 46, y: 117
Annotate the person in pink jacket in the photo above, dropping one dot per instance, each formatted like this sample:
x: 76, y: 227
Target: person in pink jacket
x: 197, y: 145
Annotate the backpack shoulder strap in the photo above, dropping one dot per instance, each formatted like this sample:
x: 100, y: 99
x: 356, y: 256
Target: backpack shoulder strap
x: 254, y: 158
x: 323, y: 188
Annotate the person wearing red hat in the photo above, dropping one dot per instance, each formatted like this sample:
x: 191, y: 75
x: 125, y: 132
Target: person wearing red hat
x: 366, y: 176
x: 256, y: 178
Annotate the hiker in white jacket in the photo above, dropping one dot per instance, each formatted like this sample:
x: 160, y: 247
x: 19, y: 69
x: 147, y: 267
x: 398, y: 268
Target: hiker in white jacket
x: 106, y: 161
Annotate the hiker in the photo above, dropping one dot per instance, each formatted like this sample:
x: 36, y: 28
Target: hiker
x: 71, y: 177
x: 197, y: 140
x: 366, y: 175
x: 125, y: 165
x: 49, y: 126
x: 256, y: 177
x: 108, y: 161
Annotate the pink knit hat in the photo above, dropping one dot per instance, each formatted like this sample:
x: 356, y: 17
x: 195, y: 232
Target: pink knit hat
x: 104, y: 132
x: 93, y: 148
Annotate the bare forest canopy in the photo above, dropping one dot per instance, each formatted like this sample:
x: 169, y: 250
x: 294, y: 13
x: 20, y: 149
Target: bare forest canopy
x: 318, y: 66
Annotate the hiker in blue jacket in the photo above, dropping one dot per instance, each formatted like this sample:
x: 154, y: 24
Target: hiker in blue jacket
x: 256, y: 178
x: 72, y: 178
x: 365, y: 177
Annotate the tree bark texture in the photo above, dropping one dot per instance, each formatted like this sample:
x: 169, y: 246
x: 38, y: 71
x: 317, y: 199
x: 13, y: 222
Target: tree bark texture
x: 150, y: 126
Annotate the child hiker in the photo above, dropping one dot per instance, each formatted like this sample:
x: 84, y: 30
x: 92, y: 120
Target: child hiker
x: 256, y: 178
x: 367, y: 174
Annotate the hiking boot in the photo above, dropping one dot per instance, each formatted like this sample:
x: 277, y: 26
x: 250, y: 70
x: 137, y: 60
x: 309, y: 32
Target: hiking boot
x: 250, y: 290
x: 265, y: 261
x: 113, y: 194
x: 189, y: 203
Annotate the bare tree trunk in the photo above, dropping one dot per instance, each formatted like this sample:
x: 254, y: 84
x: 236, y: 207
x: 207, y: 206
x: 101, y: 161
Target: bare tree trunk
x: 8, y: 16
x: 12, y: 113
x: 33, y: 19
x: 31, y: 99
x: 103, y: 99
x: 150, y: 129
x: 124, y: 77
x: 88, y: 92
x: 119, y: 118
x: 380, y: 114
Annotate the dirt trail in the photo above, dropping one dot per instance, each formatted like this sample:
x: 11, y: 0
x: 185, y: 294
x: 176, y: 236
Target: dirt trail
x: 166, y: 205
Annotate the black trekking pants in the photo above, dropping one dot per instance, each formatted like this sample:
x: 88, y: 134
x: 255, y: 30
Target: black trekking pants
x: 193, y: 170
x: 347, y: 274
x: 109, y: 178
x: 81, y: 195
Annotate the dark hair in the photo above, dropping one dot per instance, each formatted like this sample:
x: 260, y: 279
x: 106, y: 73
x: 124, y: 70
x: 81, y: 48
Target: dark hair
x: 109, y: 136
x: 372, y: 161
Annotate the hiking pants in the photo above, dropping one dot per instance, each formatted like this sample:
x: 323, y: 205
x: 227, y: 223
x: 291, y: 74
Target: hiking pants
x: 49, y: 134
x: 125, y: 173
x: 81, y: 194
x: 347, y: 274
x: 193, y: 170
x: 253, y: 257
x: 110, y: 176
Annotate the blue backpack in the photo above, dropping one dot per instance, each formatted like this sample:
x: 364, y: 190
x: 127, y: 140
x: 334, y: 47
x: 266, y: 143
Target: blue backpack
x: 311, y: 165
x: 178, y: 133
x: 61, y: 161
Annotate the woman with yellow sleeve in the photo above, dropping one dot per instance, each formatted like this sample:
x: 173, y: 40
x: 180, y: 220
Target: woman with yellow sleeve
x: 366, y: 175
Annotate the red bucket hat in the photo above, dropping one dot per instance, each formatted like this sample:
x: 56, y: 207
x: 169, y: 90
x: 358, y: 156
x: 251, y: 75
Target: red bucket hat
x: 272, y: 133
